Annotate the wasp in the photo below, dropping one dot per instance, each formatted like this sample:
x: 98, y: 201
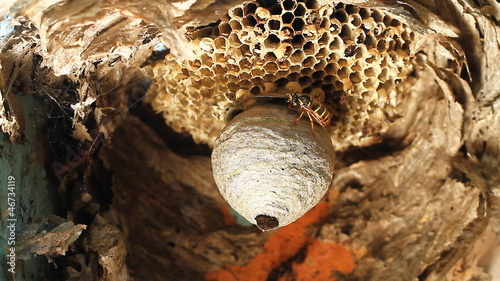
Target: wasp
x: 315, y: 110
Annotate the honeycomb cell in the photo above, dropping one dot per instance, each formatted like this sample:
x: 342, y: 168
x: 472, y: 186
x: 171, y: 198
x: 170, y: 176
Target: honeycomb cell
x: 249, y: 8
x: 331, y: 68
x: 309, y: 48
x: 271, y: 67
x: 312, y: 4
x: 288, y: 5
x: 257, y: 72
x: 298, y: 41
x: 272, y: 42
x: 233, y: 70
x: 245, y: 65
x: 300, y: 10
x: 312, y: 17
x: 294, y: 76
x: 377, y: 15
x: 284, y: 64
x: 341, y: 16
x: 225, y: 29
x: 318, y: 75
x: 235, y: 25
x: 298, y: 24
x: 249, y: 22
x: 355, y: 20
x: 298, y: 56
x: 355, y: 77
x: 220, y: 44
x: 336, y: 44
x: 276, y: 9
x: 234, y: 40
x: 257, y: 89
x: 321, y: 54
x: 287, y: 18
x: 329, y: 79
x: 262, y: 14
x: 305, y: 81
x: 320, y: 65
x: 306, y: 71
x: 286, y: 33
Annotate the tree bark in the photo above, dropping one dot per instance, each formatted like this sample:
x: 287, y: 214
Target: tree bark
x: 412, y: 206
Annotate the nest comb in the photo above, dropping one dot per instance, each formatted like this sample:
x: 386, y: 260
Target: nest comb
x: 349, y: 57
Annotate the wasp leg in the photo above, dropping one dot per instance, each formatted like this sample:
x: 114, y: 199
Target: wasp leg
x: 297, y: 120
x: 312, y: 123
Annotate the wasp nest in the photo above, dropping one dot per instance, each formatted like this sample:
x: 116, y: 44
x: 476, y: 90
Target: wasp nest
x: 271, y: 173
x: 349, y: 57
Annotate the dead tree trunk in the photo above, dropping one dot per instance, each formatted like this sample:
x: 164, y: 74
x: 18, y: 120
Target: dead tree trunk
x: 413, y: 192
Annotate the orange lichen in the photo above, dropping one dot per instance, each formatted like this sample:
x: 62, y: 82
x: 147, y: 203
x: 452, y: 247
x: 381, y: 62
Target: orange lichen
x: 284, y: 244
x: 323, y: 261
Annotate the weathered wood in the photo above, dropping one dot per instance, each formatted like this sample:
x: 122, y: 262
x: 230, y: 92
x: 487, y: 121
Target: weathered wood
x: 411, y: 206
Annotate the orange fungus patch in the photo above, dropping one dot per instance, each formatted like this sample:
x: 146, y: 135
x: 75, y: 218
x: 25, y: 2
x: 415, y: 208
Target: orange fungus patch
x: 284, y: 244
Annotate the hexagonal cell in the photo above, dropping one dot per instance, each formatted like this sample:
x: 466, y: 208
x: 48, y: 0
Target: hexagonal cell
x: 341, y: 16
x: 294, y: 76
x: 281, y: 74
x: 344, y: 73
x: 220, y: 44
x: 245, y: 75
x: 309, y: 61
x: 234, y: 40
x: 312, y: 17
x: 382, y: 45
x: 286, y: 33
x: 206, y: 59
x: 276, y: 9
x: 364, y: 13
x: 321, y: 54
x: 377, y: 15
x: 309, y: 48
x: 317, y: 84
x: 306, y: 71
x: 235, y: 25
x: 284, y: 64
x: 233, y: 69
x: 300, y: 10
x: 249, y: 22
x: 249, y: 8
x: 329, y: 79
x: 225, y: 29
x: 257, y: 72
x: 298, y: 24
x: 257, y: 89
x: 271, y: 67
x: 384, y: 75
x: 312, y: 4
x: 222, y: 79
x: 236, y: 12
x: 272, y: 41
x: 262, y: 14
x: 371, y: 83
x: 331, y: 68
x: 318, y: 75
x: 336, y: 44
x: 355, y: 20
x: 287, y: 18
x: 320, y: 65
x: 298, y: 41
x: 355, y: 77
x: 298, y: 56
x: 245, y: 65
